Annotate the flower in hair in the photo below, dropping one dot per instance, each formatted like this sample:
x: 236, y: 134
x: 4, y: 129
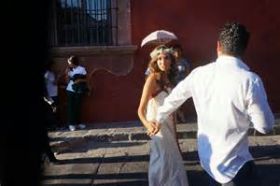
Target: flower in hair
x: 159, y: 50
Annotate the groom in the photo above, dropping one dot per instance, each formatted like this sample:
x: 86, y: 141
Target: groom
x: 229, y: 99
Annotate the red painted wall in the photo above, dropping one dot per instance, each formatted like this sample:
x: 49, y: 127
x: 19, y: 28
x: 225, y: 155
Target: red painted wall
x: 114, y: 94
x: 196, y: 23
x: 114, y: 99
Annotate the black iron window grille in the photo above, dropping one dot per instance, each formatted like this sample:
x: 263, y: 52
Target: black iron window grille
x: 84, y: 23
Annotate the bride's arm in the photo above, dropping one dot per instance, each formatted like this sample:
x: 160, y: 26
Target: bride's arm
x: 149, y: 88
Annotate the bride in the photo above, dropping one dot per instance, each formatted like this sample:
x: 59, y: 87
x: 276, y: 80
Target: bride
x: 166, y: 164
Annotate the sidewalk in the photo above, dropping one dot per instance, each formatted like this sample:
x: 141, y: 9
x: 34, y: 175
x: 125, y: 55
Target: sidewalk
x: 117, y: 154
x: 98, y: 162
x: 126, y: 131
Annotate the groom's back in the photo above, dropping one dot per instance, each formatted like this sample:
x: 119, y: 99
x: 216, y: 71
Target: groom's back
x: 221, y: 93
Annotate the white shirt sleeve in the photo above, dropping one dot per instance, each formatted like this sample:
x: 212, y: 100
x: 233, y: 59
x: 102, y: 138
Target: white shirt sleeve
x: 77, y: 70
x: 83, y: 70
x: 176, y: 98
x: 258, y: 109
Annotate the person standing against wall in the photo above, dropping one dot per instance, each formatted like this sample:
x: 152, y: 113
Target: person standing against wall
x: 51, y: 92
x: 76, y: 89
x: 183, y: 69
x: 183, y: 65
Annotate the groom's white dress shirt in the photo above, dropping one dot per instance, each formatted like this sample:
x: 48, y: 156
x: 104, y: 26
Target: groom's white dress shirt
x: 228, y: 99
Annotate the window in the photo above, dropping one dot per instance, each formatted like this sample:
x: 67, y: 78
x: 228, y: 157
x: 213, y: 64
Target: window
x: 84, y: 23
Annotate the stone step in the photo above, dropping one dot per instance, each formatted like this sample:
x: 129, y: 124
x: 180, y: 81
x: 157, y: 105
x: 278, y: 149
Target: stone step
x: 126, y: 163
x: 128, y: 131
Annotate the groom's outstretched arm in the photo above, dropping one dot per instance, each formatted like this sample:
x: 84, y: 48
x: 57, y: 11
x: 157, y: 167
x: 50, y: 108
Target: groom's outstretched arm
x: 176, y: 98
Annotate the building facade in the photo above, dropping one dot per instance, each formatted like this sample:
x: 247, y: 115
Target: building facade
x: 106, y: 35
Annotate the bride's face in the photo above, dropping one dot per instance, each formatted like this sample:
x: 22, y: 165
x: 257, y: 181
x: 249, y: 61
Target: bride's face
x: 163, y: 61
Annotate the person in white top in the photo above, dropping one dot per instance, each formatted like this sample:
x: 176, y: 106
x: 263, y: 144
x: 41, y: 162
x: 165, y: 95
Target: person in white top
x: 229, y: 99
x: 51, y: 95
x: 51, y: 86
x: 76, y: 80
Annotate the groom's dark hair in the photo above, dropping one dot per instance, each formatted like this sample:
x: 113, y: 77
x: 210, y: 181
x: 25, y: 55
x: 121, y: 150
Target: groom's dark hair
x: 233, y: 39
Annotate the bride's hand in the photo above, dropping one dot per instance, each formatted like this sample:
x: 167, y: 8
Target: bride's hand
x: 157, y: 128
x: 152, y: 129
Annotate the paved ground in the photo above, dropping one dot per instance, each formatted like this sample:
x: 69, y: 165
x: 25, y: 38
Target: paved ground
x: 119, y: 156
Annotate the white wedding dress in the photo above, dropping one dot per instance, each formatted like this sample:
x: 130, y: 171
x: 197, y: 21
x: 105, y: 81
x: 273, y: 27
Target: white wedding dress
x: 166, y: 166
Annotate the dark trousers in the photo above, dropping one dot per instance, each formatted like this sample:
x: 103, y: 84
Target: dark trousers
x: 47, y: 148
x: 247, y: 175
x: 73, y: 108
x: 51, y: 117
